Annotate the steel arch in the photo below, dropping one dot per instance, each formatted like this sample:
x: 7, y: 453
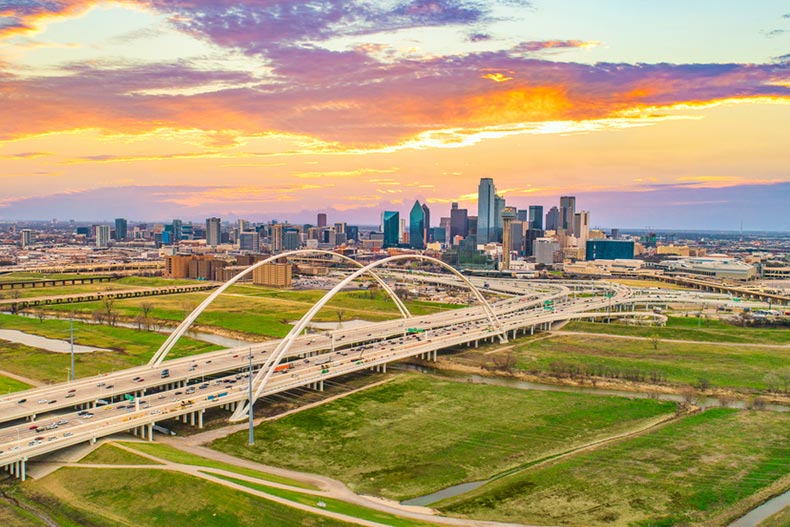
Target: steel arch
x: 285, y: 344
x: 171, y: 340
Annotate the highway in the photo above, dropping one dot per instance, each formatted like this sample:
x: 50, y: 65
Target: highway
x: 49, y: 418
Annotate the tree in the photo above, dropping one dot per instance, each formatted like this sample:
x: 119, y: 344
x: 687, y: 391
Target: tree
x: 655, y: 340
x: 689, y: 394
x: 772, y: 382
x: 110, y: 315
x: 144, y: 320
x: 506, y: 361
x: 340, y: 314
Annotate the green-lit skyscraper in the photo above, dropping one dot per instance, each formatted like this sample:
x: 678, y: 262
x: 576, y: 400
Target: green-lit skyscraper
x: 390, y: 224
x: 417, y: 226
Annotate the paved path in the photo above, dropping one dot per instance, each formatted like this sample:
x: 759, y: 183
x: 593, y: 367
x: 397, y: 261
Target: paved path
x: 26, y: 380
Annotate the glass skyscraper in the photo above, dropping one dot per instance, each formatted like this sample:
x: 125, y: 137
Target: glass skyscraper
x: 390, y: 224
x: 417, y: 226
x: 486, y: 209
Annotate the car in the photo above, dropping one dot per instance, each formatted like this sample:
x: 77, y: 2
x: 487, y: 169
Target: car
x: 191, y: 389
x: 72, y: 390
x: 20, y: 401
x: 99, y: 385
x: 52, y: 401
x: 208, y: 362
x: 202, y: 386
x: 87, y: 415
x: 67, y: 434
x: 178, y: 393
x: 42, y: 401
x: 108, y: 386
x: 69, y: 395
x: 34, y: 427
x: 63, y: 422
x: 236, y: 356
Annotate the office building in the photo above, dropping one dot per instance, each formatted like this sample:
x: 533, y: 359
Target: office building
x: 486, y: 209
x: 277, y: 238
x: 213, y: 232
x: 352, y: 232
x: 121, y: 229
x: 26, y: 237
x: 553, y: 219
x: 445, y: 224
x: 102, y: 235
x: 292, y: 241
x: 535, y: 217
x: 522, y: 215
x: 581, y: 228
x: 495, y: 235
x: 567, y: 210
x: 321, y: 219
x: 427, y: 224
x: 250, y: 241
x: 545, y: 250
x: 391, y: 228
x: 609, y: 250
x: 176, y: 229
x: 458, y: 222
x: 417, y: 226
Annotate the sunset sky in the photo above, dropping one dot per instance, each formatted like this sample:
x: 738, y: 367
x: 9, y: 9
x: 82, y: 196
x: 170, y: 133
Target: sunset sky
x: 671, y: 114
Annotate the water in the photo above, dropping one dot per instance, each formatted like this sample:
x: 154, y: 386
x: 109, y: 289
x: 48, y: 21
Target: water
x: 211, y: 338
x: 704, y: 403
x: 54, y: 345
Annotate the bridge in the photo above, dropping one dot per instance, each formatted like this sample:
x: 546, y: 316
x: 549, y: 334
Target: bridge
x: 46, y: 419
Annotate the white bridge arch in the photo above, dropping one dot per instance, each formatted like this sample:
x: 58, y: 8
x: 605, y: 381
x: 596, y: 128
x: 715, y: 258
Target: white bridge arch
x: 285, y: 344
x: 182, y: 328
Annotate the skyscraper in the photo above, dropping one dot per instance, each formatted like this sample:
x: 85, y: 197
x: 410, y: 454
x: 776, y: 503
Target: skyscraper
x: 27, y: 237
x: 417, y: 226
x: 390, y: 225
x: 120, y: 229
x: 486, y: 210
x: 250, y: 241
x: 535, y: 217
x: 102, y: 235
x: 499, y: 208
x: 213, y: 231
x: 277, y: 237
x: 567, y: 210
x: 581, y: 228
x: 321, y: 219
x: 458, y: 223
x: 508, y: 215
x: 553, y: 219
x: 427, y: 229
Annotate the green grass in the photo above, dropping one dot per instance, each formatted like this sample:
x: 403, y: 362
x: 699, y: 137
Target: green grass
x: 685, y: 473
x: 14, y: 516
x: 682, y: 328
x: 263, y: 311
x: 35, y: 277
x: 8, y: 385
x: 418, y: 434
x: 333, y: 505
x: 129, y: 348
x: 175, y: 455
x: 780, y: 519
x: 103, y: 497
x: 683, y: 363
x: 109, y: 454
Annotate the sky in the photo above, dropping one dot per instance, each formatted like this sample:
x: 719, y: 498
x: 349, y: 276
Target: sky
x: 670, y: 114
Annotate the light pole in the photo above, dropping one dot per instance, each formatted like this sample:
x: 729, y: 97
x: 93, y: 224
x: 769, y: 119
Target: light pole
x: 71, y: 340
x: 250, y: 409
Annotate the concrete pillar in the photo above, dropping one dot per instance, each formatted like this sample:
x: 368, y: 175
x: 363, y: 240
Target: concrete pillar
x: 192, y: 418
x: 151, y: 432
x: 532, y: 330
x: 383, y: 369
x: 200, y: 418
x: 321, y: 386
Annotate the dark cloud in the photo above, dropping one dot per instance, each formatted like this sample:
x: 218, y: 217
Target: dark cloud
x: 478, y: 37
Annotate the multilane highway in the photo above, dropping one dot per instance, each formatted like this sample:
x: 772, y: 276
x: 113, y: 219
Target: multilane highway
x: 45, y: 419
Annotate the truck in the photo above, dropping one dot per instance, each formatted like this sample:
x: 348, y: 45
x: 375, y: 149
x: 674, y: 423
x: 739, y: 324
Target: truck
x: 284, y: 367
x: 323, y: 360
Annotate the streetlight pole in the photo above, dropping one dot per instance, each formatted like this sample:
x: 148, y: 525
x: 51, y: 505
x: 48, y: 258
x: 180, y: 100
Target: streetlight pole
x: 71, y: 341
x: 250, y: 408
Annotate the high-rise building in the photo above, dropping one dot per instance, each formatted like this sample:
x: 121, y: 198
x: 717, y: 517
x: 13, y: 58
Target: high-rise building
x: 427, y: 238
x: 27, y: 237
x: 321, y: 219
x: 277, y: 237
x: 508, y: 215
x: 102, y: 235
x: 417, y: 226
x: 243, y: 225
x: 213, y: 232
x: 553, y: 219
x: 250, y: 241
x: 522, y: 215
x: 352, y: 232
x: 581, y: 228
x: 390, y: 226
x: 544, y: 250
x: 445, y: 223
x: 176, y: 228
x: 121, y: 227
x: 535, y: 217
x: 291, y: 240
x: 495, y: 235
x: 486, y: 209
x: 567, y: 210
x: 458, y: 222
x: 403, y: 234
x: 340, y: 227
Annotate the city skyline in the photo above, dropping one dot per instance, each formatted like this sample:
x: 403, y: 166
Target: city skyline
x: 671, y: 117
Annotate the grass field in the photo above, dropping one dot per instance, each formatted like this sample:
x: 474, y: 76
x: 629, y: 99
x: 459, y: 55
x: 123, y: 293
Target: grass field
x: 647, y: 283
x: 263, y: 311
x: 683, y: 363
x: 685, y: 473
x: 780, y: 519
x: 682, y: 328
x: 110, y: 497
x: 419, y: 434
x: 8, y: 385
x: 130, y: 348
x: 13, y: 516
x: 175, y: 455
x: 109, y: 454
